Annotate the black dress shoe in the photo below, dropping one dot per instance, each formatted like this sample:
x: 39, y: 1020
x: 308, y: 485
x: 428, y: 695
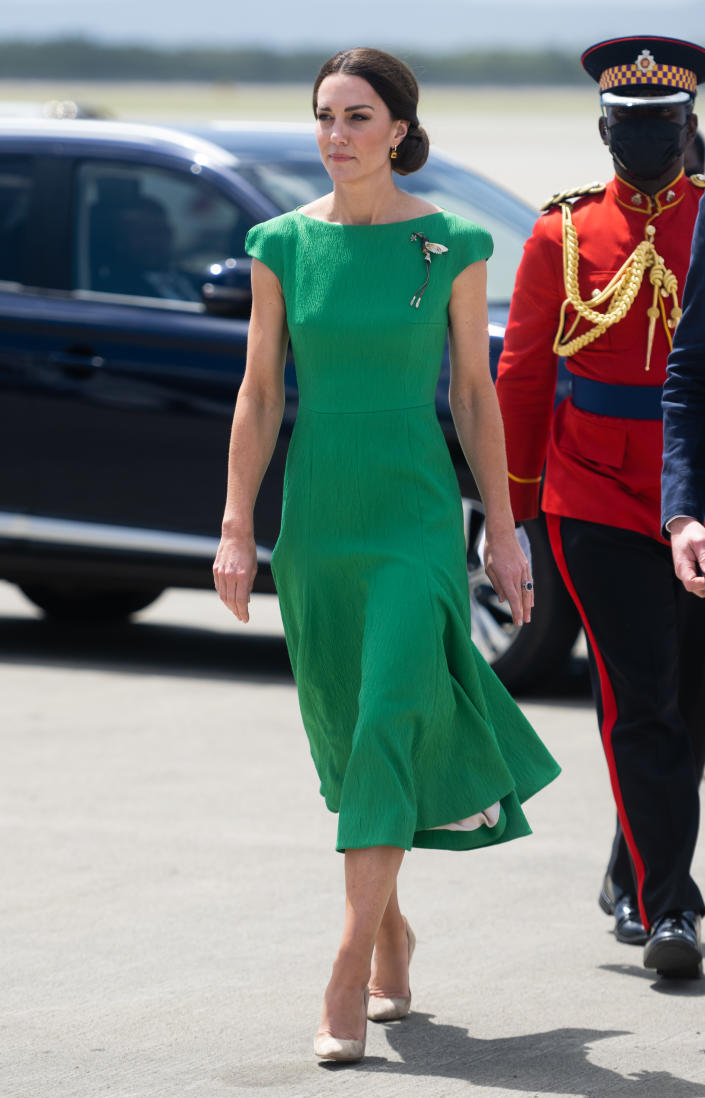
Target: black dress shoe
x: 628, y: 926
x: 673, y: 948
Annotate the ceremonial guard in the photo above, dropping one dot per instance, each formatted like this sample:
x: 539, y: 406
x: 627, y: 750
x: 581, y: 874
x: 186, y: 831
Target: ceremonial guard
x: 600, y: 284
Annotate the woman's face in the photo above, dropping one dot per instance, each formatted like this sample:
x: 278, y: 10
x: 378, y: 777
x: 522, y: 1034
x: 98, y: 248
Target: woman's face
x: 354, y: 128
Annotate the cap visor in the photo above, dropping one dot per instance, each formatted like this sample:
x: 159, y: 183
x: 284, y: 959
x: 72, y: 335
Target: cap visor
x: 610, y: 99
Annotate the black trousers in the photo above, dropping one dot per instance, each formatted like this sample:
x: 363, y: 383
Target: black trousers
x: 646, y: 635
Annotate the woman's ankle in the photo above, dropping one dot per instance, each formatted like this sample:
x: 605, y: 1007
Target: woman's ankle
x: 391, y: 930
x: 351, y: 968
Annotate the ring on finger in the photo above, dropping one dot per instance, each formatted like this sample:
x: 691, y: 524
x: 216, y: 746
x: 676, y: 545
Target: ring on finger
x: 528, y: 586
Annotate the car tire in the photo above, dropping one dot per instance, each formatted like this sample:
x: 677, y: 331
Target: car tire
x: 88, y: 604
x: 522, y: 657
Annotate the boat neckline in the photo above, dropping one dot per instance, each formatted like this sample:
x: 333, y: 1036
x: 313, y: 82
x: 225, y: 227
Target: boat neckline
x: 376, y: 225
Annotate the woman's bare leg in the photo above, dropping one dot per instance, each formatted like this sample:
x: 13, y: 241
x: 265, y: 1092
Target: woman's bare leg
x: 370, y: 880
x: 390, y: 963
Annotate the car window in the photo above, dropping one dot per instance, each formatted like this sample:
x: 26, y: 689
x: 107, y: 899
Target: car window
x: 288, y: 184
x: 16, y: 174
x: 151, y: 232
x: 507, y: 220
x: 291, y: 183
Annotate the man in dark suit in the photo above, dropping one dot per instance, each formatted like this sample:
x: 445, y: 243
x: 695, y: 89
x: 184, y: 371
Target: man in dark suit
x: 683, y: 476
x: 600, y: 284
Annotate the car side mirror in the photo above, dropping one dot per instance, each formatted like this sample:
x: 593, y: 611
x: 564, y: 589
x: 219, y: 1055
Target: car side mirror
x: 227, y: 291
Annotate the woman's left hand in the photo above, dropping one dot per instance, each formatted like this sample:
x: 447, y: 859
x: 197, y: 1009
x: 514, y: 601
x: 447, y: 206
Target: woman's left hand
x: 509, y: 572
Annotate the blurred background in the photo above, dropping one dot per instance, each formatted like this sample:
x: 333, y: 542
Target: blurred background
x: 124, y: 287
x: 152, y: 896
x: 502, y: 87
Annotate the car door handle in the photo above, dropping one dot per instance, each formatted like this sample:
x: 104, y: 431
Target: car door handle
x: 77, y: 363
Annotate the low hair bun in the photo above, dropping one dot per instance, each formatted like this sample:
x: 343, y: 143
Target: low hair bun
x: 412, y: 153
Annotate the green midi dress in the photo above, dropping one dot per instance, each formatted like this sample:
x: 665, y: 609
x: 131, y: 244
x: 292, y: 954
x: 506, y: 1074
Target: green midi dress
x: 409, y: 728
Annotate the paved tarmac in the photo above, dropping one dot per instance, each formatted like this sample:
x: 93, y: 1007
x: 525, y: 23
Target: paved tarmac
x: 171, y: 898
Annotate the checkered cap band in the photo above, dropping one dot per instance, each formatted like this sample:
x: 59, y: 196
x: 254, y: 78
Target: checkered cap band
x: 663, y: 76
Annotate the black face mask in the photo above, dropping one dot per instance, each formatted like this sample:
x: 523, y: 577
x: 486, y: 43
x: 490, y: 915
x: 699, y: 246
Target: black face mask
x: 646, y: 147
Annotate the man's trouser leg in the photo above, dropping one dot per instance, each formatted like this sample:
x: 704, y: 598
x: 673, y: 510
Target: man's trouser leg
x: 627, y: 594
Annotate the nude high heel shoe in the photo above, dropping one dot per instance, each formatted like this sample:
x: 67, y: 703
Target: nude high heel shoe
x: 383, y: 1009
x: 329, y: 1047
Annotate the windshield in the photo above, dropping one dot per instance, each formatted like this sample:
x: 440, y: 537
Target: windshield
x: 291, y: 183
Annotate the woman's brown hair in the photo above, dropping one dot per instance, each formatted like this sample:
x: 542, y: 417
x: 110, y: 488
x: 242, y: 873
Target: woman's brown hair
x: 394, y: 83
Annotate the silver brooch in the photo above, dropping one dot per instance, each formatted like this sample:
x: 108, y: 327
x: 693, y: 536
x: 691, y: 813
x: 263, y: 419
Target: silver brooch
x: 428, y: 249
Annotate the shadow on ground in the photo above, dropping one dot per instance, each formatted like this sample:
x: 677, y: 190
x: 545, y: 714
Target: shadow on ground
x: 685, y: 987
x: 552, y: 1062
x: 145, y: 648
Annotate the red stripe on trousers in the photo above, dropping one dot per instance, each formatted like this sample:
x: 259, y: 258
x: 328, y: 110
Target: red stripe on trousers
x: 609, y: 710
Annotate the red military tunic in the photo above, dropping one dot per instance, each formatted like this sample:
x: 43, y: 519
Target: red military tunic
x: 599, y: 468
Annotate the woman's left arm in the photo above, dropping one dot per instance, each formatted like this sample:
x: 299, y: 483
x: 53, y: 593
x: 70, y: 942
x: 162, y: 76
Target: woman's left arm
x: 477, y: 419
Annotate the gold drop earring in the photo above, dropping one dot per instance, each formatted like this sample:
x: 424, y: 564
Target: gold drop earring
x: 393, y: 154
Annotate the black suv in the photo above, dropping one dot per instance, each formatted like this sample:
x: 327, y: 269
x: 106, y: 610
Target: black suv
x: 124, y: 304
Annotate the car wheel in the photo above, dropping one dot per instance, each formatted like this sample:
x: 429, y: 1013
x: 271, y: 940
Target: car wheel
x: 520, y: 656
x: 87, y: 604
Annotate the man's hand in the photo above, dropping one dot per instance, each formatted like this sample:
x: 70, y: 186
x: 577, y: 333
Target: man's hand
x: 688, y: 549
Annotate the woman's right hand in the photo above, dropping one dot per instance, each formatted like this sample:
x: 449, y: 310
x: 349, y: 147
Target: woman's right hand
x: 234, y: 571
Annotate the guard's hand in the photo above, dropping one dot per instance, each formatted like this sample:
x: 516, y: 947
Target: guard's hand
x: 688, y: 549
x: 509, y: 573
x: 234, y: 571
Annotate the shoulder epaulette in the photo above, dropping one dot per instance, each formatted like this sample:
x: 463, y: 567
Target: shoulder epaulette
x: 698, y: 180
x: 574, y: 192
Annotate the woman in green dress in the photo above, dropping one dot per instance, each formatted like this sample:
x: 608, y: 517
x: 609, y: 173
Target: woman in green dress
x: 415, y: 741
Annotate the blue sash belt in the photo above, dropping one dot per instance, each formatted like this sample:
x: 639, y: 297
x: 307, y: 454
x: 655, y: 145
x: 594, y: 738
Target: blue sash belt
x: 625, y: 401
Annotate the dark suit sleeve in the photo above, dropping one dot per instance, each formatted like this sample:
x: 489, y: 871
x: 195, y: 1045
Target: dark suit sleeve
x: 683, y: 477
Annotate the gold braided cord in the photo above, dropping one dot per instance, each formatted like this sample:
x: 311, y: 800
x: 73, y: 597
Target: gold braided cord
x: 524, y: 480
x: 665, y: 285
x: 618, y: 295
x: 574, y: 192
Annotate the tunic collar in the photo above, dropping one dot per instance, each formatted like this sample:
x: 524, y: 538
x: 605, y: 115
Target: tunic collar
x: 631, y: 198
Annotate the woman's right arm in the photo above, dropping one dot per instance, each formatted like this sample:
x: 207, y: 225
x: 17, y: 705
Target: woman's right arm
x: 258, y: 415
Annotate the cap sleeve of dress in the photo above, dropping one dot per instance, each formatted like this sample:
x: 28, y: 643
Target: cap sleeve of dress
x: 265, y: 242
x: 469, y: 244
